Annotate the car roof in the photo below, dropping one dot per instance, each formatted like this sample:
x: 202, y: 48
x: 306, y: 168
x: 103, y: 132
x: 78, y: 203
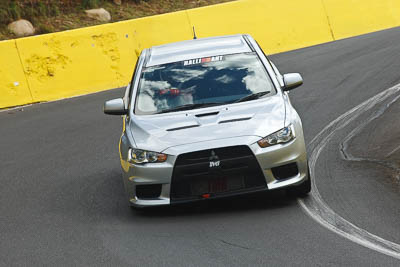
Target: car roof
x: 197, y: 48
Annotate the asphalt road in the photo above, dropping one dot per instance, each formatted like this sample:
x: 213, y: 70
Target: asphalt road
x: 62, y: 198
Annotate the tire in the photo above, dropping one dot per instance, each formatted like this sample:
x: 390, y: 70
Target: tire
x: 302, y: 189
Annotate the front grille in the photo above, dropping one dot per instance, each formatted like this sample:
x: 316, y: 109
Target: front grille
x: 238, y: 170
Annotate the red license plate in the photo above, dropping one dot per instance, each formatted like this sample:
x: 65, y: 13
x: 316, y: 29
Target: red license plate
x: 217, y: 185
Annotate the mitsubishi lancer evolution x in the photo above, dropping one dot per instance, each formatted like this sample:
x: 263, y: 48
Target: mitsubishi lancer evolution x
x: 209, y: 118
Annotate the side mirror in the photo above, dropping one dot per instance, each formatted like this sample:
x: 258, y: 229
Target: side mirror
x: 292, y: 80
x: 115, y: 107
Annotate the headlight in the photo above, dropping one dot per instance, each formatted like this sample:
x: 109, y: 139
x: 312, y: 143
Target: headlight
x: 139, y: 156
x: 282, y: 136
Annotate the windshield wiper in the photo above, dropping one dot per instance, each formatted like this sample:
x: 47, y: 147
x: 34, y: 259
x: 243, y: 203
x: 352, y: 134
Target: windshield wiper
x: 189, y: 106
x: 252, y: 96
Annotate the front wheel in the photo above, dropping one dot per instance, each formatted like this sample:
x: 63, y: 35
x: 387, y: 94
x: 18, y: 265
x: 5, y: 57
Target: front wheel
x: 302, y: 189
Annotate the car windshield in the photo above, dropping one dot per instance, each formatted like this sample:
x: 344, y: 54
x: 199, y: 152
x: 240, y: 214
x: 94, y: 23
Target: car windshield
x: 202, y: 82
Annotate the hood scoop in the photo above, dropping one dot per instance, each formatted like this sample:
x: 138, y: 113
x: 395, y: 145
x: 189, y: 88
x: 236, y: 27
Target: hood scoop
x: 234, y: 120
x: 182, y: 127
x: 207, y: 114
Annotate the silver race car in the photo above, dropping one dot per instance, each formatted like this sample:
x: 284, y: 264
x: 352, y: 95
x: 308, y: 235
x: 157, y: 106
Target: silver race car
x: 209, y: 118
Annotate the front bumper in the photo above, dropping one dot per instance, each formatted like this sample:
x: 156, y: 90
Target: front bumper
x: 267, y: 158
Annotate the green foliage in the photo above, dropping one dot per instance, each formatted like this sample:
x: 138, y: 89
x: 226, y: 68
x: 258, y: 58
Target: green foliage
x: 91, y: 3
x: 14, y: 10
x: 43, y: 28
x: 9, y: 11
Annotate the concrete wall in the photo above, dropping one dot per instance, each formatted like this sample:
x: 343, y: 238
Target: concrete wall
x: 14, y: 89
x: 70, y: 63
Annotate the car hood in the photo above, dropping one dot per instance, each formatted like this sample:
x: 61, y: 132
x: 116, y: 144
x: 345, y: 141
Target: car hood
x: 257, y: 118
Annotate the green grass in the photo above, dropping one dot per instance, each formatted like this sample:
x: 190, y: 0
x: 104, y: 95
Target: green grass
x: 52, y: 16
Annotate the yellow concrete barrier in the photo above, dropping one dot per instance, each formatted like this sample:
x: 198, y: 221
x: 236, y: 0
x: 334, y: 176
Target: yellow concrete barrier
x: 92, y: 59
x: 277, y: 25
x: 14, y: 88
x: 161, y: 29
x: 354, y: 17
x: 77, y: 62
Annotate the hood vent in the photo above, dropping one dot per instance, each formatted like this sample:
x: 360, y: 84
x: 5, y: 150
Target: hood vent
x: 183, y: 127
x: 233, y: 120
x: 207, y: 114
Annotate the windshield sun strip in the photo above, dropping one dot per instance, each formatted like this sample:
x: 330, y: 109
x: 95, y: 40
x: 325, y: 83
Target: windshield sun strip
x: 143, y: 68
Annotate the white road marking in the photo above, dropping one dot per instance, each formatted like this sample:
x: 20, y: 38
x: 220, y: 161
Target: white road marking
x: 316, y: 207
x: 394, y: 150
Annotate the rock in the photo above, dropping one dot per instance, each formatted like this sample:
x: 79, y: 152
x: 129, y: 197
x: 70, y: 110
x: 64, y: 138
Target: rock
x: 99, y: 14
x: 21, y: 28
x: 118, y: 2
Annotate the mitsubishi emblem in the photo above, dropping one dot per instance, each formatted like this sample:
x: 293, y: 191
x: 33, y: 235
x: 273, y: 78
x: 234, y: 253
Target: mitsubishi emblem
x: 214, y: 160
